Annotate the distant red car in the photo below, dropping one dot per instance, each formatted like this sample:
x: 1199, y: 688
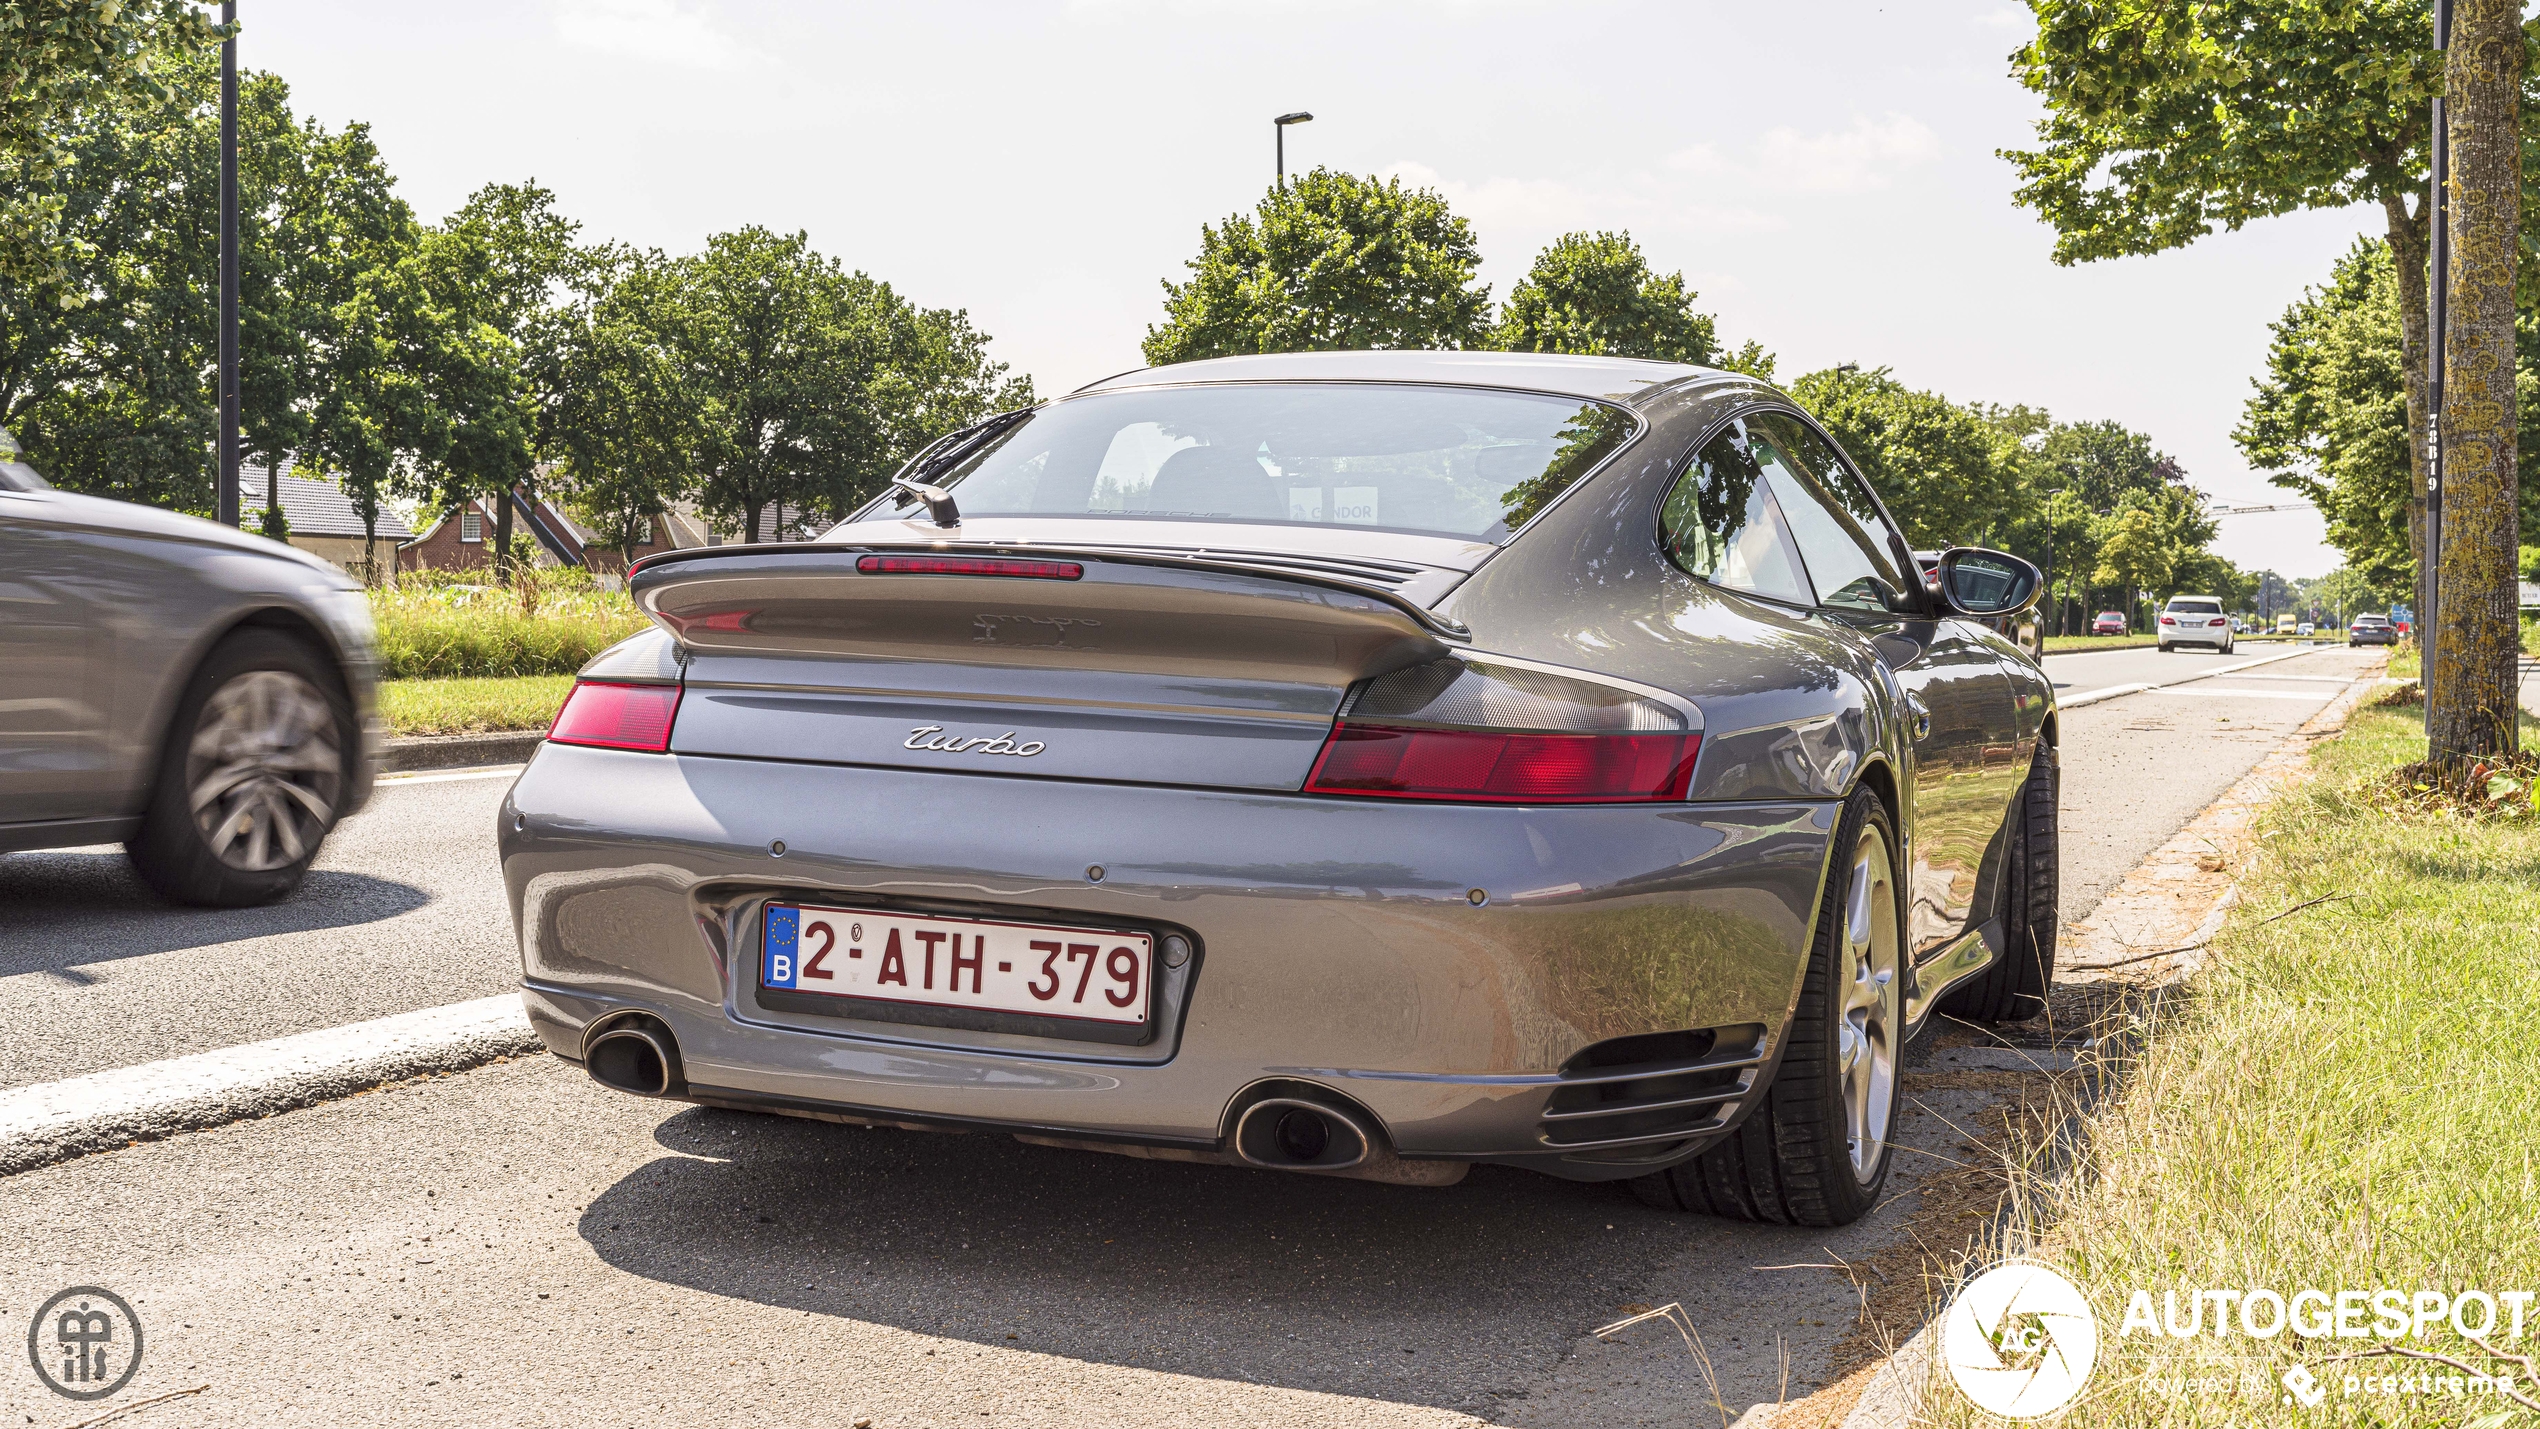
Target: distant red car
x: 2108, y: 622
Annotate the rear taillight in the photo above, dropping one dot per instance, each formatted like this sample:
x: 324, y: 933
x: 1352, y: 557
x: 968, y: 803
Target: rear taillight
x: 2169, y: 620
x: 617, y: 717
x: 1482, y: 732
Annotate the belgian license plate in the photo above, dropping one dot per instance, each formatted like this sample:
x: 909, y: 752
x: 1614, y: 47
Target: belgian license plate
x: 1037, y: 969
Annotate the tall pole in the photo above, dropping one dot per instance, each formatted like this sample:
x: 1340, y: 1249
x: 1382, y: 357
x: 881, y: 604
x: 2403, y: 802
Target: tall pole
x: 2437, y: 293
x: 228, y: 379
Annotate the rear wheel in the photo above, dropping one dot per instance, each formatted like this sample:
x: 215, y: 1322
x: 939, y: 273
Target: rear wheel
x: 252, y: 775
x: 1816, y: 1152
x: 2014, y: 988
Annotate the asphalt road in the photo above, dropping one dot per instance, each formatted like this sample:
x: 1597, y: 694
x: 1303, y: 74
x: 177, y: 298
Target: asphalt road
x: 514, y: 1246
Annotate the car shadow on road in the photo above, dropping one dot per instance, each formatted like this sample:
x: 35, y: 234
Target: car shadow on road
x: 61, y: 910
x: 1454, y: 1297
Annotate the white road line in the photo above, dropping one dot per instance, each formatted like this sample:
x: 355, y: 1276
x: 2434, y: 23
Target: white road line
x: 52, y: 1121
x: 503, y: 771
x: 2312, y: 696
x: 2110, y: 692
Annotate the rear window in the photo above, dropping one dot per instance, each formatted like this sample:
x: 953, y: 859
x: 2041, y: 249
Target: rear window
x: 2372, y: 620
x: 2196, y: 607
x: 1461, y: 461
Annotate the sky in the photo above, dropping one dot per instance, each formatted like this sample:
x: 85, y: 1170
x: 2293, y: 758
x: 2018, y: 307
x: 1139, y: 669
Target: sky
x: 1824, y: 172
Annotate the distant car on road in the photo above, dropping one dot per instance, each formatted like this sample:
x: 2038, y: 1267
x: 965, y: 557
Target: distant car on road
x: 1348, y: 763
x: 2194, y: 620
x: 201, y: 695
x: 2306, y: 628
x: 2108, y: 622
x: 2371, y: 630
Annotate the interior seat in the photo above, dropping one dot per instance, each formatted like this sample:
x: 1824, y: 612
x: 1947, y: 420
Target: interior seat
x: 1214, y: 481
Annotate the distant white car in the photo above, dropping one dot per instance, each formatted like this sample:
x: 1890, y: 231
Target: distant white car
x: 2194, y: 620
x: 2306, y: 628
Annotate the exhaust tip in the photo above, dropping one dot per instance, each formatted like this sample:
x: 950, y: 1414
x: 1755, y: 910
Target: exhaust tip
x: 1290, y: 1134
x: 637, y: 1056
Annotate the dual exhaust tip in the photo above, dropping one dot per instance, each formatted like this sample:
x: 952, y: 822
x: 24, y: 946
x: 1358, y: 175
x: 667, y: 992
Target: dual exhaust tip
x: 636, y: 1055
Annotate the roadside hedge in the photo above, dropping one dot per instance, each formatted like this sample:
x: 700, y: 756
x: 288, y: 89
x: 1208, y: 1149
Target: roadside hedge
x: 445, y: 630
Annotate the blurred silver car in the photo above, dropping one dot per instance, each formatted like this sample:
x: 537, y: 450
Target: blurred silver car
x: 203, y: 696
x: 1363, y: 764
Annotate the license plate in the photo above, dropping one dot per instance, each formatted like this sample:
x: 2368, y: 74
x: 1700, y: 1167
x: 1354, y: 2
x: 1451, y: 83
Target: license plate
x: 1036, y: 969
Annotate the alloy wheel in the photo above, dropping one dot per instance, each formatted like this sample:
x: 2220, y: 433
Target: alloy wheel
x: 1868, y: 1032
x: 264, y: 771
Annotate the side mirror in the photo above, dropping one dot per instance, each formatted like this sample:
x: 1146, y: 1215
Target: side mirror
x: 1985, y: 584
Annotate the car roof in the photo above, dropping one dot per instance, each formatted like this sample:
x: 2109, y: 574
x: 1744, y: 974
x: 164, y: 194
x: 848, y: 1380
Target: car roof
x: 1621, y: 379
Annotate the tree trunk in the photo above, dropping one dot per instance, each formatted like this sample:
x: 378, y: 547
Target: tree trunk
x: 2470, y: 716
x: 503, y: 536
x: 2408, y: 239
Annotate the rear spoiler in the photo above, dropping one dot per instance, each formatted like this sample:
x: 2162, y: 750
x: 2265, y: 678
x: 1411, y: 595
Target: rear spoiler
x: 1086, y: 607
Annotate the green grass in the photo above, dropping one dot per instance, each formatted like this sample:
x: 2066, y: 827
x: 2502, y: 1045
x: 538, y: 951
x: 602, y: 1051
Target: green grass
x: 479, y: 705
x: 449, y: 631
x: 2345, y: 1100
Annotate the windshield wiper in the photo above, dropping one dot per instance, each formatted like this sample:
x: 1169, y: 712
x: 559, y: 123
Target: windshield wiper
x: 947, y: 451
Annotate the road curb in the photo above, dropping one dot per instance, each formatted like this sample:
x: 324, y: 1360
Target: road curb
x: 53, y: 1122
x: 456, y: 751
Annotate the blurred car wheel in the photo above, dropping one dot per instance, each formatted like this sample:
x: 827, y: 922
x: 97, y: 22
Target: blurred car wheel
x: 252, y: 775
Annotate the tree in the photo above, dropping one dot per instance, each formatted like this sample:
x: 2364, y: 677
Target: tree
x: 106, y: 359
x: 2168, y: 117
x: 626, y: 431
x: 2472, y: 714
x: 1594, y: 293
x: 494, y: 273
x: 2151, y: 540
x: 814, y: 383
x: 1330, y: 261
x: 60, y: 61
x: 1947, y: 475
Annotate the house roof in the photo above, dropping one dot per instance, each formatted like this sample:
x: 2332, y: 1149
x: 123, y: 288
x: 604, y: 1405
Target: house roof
x: 314, y: 505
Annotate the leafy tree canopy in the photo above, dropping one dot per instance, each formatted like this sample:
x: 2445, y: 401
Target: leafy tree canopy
x: 2329, y: 419
x: 59, y: 60
x: 1946, y: 474
x: 1594, y: 293
x: 1331, y: 261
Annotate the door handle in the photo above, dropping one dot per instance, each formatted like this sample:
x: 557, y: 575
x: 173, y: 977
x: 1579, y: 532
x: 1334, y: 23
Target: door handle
x: 1918, y: 714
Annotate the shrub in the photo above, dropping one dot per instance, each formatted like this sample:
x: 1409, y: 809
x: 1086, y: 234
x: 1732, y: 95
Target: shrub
x: 444, y: 628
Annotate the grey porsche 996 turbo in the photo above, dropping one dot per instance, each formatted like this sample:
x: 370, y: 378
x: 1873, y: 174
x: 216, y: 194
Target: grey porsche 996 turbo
x: 1361, y: 764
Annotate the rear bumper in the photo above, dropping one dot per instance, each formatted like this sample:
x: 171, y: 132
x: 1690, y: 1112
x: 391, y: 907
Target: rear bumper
x: 1338, y: 946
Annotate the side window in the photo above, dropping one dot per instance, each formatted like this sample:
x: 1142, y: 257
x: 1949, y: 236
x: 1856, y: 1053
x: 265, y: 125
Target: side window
x: 1838, y: 531
x: 1721, y: 523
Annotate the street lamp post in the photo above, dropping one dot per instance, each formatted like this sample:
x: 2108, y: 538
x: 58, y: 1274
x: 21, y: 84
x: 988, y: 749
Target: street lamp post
x: 1279, y: 126
x: 228, y: 378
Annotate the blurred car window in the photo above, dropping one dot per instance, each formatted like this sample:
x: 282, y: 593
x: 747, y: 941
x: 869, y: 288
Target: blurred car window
x: 1721, y: 523
x: 1850, y: 568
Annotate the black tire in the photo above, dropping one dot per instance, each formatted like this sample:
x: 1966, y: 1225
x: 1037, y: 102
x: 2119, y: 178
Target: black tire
x: 174, y: 853
x: 2014, y: 988
x: 1790, y: 1161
